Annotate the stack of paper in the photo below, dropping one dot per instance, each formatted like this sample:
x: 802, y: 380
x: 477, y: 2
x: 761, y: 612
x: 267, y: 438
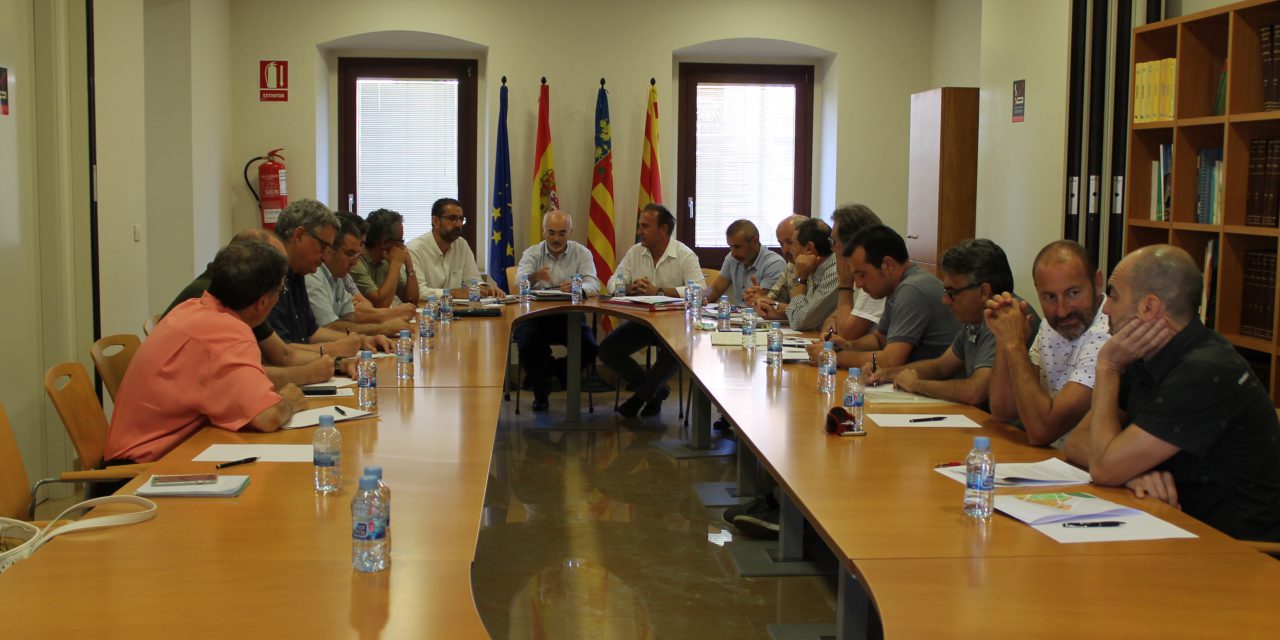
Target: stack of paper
x: 886, y: 394
x: 263, y: 452
x: 550, y: 294
x: 921, y: 420
x: 225, y: 487
x: 1082, y: 517
x: 1046, y: 473
x: 311, y: 417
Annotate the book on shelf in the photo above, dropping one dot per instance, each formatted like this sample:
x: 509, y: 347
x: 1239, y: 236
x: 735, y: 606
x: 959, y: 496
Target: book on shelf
x: 1220, y: 98
x: 1257, y: 300
x: 1153, y: 90
x: 1208, y: 293
x: 1270, y: 185
x: 1254, y: 189
x: 1208, y: 163
x: 1266, y: 45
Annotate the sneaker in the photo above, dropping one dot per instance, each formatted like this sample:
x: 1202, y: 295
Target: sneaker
x: 654, y: 406
x: 758, y: 505
x: 762, y: 525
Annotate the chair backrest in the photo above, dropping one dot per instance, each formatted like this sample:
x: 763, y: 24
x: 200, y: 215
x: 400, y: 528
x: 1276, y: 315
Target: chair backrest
x: 511, y: 279
x: 111, y: 362
x: 15, y: 493
x: 710, y: 275
x: 150, y: 324
x: 72, y: 394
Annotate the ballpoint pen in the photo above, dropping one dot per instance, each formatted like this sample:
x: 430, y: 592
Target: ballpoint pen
x: 929, y: 419
x: 234, y: 463
x: 340, y: 411
x: 1103, y: 523
x: 874, y: 367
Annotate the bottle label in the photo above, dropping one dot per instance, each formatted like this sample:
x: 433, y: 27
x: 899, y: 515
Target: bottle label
x: 326, y: 458
x: 975, y: 479
x: 405, y: 357
x: 365, y: 382
x: 371, y: 529
x: 827, y: 370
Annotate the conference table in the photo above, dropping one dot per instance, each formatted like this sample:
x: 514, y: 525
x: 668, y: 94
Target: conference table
x: 276, y: 560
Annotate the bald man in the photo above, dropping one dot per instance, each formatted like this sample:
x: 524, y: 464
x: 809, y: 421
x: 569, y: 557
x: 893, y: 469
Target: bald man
x: 551, y: 264
x: 1177, y: 413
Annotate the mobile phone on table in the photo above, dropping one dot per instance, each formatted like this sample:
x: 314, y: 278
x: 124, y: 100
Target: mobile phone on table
x: 320, y: 390
x: 178, y: 480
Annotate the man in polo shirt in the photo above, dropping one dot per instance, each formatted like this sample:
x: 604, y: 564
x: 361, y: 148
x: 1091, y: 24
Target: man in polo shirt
x: 551, y: 264
x: 331, y: 303
x: 972, y: 272
x: 307, y: 229
x: 785, y: 232
x: 201, y: 366
x: 1174, y: 396
x: 857, y: 313
x: 385, y: 271
x: 916, y: 324
x: 748, y: 264
x: 444, y: 258
x: 813, y: 296
x: 657, y: 265
x: 1048, y: 388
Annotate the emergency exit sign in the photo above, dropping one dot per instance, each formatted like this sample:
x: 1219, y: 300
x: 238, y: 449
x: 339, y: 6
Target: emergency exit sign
x: 273, y: 81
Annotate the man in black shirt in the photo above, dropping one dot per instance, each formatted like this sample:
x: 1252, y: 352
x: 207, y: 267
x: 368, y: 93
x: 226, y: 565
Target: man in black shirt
x: 1176, y: 412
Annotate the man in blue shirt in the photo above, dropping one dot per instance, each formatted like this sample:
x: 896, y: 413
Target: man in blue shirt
x: 747, y: 259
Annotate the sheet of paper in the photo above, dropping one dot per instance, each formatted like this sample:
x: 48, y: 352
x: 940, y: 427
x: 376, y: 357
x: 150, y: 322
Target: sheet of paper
x: 311, y: 417
x: 1143, y: 526
x: 336, y: 381
x: 787, y: 331
x: 791, y: 354
x: 1063, y: 506
x: 886, y: 394
x: 905, y: 420
x: 650, y: 299
x: 734, y: 339
x: 264, y: 453
x: 1046, y: 473
x: 550, y: 294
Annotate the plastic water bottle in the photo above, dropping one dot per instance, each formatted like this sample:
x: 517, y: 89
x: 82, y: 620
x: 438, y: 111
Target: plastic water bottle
x: 404, y: 356
x: 367, y: 382
x: 724, y: 315
x: 526, y: 287
x: 827, y: 368
x: 854, y: 396
x: 326, y: 453
x: 774, y: 358
x: 575, y: 289
x: 433, y: 304
x: 385, y: 492
x: 426, y: 330
x: 688, y: 299
x: 473, y: 291
x: 749, y: 329
x: 619, y: 284
x: 695, y: 300
x: 980, y: 480
x: 446, y: 308
x: 368, y: 537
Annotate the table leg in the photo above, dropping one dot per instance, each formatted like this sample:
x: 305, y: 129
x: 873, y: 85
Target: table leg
x: 699, y: 444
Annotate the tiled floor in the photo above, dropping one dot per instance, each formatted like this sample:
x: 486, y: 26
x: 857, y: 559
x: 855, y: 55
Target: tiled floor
x: 596, y: 534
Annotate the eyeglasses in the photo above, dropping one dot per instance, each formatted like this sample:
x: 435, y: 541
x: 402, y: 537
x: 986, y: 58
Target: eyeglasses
x: 953, y: 293
x: 462, y: 220
x: 325, y: 246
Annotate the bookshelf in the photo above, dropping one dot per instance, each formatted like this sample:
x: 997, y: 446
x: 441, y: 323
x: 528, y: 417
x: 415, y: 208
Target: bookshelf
x: 1204, y: 45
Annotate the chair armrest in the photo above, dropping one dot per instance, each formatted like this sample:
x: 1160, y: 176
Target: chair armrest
x: 122, y: 472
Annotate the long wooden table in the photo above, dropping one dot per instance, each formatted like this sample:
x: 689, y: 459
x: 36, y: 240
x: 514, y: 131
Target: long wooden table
x: 277, y: 559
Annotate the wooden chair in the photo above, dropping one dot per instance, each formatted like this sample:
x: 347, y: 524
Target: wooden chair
x: 710, y: 275
x: 110, y: 362
x: 150, y: 324
x: 17, y: 497
x: 72, y: 395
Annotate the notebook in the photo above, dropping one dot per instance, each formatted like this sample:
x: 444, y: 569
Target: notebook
x: 225, y: 487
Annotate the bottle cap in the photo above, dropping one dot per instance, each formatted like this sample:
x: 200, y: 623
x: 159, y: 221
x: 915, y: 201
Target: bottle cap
x: 366, y: 354
x: 431, y: 298
x: 828, y: 345
x: 404, y: 333
x: 855, y: 372
x: 326, y: 420
x: 368, y: 483
x: 373, y: 471
x: 981, y: 443
x: 777, y: 325
x: 724, y: 298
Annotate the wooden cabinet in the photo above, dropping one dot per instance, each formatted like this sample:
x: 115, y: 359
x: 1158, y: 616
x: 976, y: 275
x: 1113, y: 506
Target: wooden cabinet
x: 942, y: 180
x: 1205, y: 45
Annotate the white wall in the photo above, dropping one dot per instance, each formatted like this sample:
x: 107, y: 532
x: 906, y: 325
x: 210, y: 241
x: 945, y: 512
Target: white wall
x: 957, y: 43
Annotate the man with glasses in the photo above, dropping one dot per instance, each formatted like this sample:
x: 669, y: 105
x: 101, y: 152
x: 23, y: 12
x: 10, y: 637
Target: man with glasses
x: 972, y: 272
x: 385, y: 270
x: 331, y: 302
x: 444, y: 257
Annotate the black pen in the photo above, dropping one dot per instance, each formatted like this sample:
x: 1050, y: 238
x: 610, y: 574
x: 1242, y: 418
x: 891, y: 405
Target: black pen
x: 340, y: 411
x: 929, y: 419
x: 1103, y: 523
x: 224, y: 465
x: 873, y: 363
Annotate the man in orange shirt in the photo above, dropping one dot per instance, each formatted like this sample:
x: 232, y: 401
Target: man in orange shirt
x: 202, y: 365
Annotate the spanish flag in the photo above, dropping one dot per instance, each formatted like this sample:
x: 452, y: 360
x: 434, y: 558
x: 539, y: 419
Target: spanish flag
x: 545, y: 197
x: 600, y: 230
x: 650, y: 174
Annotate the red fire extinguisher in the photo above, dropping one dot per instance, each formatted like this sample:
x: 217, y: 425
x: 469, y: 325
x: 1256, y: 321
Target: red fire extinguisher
x: 274, y: 189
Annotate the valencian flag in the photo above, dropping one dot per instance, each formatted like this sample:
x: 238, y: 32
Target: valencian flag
x: 600, y: 230
x: 650, y: 175
x: 502, y: 252
x: 545, y: 197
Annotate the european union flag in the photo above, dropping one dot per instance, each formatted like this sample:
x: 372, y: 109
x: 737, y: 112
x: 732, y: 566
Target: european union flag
x: 502, y: 252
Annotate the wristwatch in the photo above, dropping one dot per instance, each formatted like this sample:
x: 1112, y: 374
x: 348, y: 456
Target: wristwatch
x: 803, y: 281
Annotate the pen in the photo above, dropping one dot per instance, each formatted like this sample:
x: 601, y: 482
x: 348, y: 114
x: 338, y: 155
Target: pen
x: 929, y: 419
x: 340, y: 411
x: 1104, y: 523
x: 948, y: 464
x: 827, y: 338
x: 233, y: 463
x: 873, y: 363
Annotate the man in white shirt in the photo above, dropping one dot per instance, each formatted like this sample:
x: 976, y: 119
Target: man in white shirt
x: 658, y: 265
x: 1049, y: 387
x: 443, y: 257
x: 551, y: 264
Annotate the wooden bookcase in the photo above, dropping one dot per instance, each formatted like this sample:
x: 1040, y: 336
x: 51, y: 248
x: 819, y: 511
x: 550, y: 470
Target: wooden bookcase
x: 1203, y: 44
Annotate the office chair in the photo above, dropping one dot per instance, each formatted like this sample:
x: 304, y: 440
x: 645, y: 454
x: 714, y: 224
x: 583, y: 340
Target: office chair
x: 111, y: 366
x: 72, y: 395
x: 150, y: 324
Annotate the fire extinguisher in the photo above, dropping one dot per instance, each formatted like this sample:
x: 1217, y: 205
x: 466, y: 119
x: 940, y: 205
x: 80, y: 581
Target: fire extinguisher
x: 271, y: 182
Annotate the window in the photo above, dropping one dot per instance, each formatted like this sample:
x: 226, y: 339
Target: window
x: 745, y: 151
x: 407, y: 137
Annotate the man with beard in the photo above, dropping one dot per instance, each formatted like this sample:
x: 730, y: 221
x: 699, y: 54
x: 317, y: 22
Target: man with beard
x: 443, y: 257
x: 1050, y: 386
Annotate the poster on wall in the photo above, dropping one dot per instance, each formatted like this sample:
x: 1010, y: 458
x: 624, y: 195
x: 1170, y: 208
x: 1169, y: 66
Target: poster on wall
x: 1019, y: 99
x: 4, y: 91
x: 273, y: 81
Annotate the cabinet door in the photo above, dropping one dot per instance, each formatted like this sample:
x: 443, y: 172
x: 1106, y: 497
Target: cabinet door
x: 923, y: 176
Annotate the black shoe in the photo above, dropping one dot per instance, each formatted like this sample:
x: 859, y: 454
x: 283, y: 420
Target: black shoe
x: 759, y: 505
x: 654, y: 406
x: 763, y: 525
x: 541, y: 404
x: 631, y: 407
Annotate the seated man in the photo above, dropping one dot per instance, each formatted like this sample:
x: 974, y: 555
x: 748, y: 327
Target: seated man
x: 748, y: 264
x: 284, y: 364
x: 444, y: 258
x: 551, y: 264
x: 201, y: 366
x: 378, y: 272
x: 813, y: 296
x: 1174, y: 396
x: 857, y: 313
x: 331, y: 302
x: 657, y: 265
x: 781, y: 291
x: 1048, y: 388
x: 916, y: 324
x: 307, y: 229
x: 972, y: 272
x: 365, y: 310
